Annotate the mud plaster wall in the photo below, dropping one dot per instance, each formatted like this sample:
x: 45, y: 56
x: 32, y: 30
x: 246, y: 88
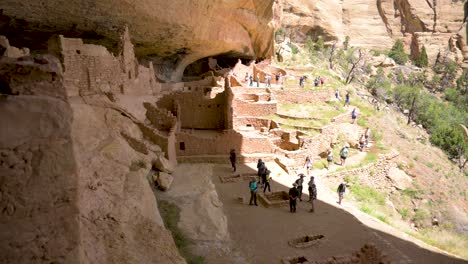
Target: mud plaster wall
x: 198, y: 111
x: 221, y: 144
x: 91, y: 69
x: 256, y: 123
x: 242, y: 108
x: 38, y: 179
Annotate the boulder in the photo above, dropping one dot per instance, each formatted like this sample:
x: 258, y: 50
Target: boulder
x: 400, y: 179
x: 164, y: 181
x: 163, y: 164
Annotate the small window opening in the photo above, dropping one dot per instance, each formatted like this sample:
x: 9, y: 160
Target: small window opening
x: 182, y: 145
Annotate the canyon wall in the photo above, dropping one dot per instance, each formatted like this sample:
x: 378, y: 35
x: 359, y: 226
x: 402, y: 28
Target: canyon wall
x: 74, y: 162
x: 437, y: 24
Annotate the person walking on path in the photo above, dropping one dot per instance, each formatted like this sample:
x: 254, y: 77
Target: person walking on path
x: 310, y: 183
x: 341, y: 191
x: 232, y: 158
x: 299, y: 183
x: 263, y: 172
x: 367, y: 134
x: 354, y: 115
x: 337, y: 94
x: 308, y: 165
x: 258, y: 79
x: 267, y: 181
x: 362, y: 142
x: 344, y: 154
x: 253, y: 191
x: 329, y: 158
x: 260, y: 163
x: 346, y: 102
x: 313, y: 197
x: 293, y: 194
x: 251, y: 80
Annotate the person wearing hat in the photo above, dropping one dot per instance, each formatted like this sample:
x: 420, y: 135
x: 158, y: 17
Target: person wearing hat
x: 293, y: 194
x: 299, y: 183
x: 344, y: 154
x: 341, y: 191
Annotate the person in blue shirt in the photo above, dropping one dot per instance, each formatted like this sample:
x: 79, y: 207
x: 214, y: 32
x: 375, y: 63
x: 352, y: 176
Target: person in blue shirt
x: 253, y: 191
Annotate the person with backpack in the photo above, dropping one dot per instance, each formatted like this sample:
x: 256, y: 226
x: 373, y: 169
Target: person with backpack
x: 341, y: 191
x: 346, y: 102
x: 310, y: 183
x: 253, y: 191
x: 316, y: 81
x: 293, y: 194
x: 362, y: 142
x: 232, y: 158
x: 354, y: 115
x: 263, y: 171
x: 367, y: 134
x: 267, y: 181
x: 308, y: 165
x: 313, y: 196
x: 299, y: 183
x: 344, y: 154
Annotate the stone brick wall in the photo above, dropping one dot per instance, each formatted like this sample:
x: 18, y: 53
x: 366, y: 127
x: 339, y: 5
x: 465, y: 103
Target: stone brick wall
x: 197, y: 108
x: 91, y: 69
x: 196, y: 143
x: 242, y: 108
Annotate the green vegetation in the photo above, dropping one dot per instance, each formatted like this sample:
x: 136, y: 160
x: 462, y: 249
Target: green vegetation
x: 367, y: 194
x: 397, y: 53
x: 456, y: 243
x: 137, y: 164
x: 421, y: 61
x: 171, y: 215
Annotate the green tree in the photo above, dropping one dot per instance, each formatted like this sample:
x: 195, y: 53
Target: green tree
x: 319, y: 45
x: 422, y: 61
x: 346, y: 43
x: 378, y: 85
x: 397, y: 53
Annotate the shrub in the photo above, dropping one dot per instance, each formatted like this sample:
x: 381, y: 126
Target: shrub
x: 421, y: 61
x: 367, y: 194
x: 397, y: 53
x: 404, y: 212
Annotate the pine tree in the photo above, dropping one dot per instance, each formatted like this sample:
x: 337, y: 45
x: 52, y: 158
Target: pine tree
x: 398, y: 53
x: 422, y: 61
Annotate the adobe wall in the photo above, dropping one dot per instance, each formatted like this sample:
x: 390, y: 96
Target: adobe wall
x: 92, y: 69
x: 256, y: 123
x: 302, y: 96
x: 197, y: 108
x: 221, y: 144
x: 242, y: 108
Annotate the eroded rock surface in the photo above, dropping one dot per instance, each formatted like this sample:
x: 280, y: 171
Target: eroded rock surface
x: 176, y: 32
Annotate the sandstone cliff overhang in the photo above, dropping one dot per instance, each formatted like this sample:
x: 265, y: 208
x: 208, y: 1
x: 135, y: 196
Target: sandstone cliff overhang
x: 172, y: 34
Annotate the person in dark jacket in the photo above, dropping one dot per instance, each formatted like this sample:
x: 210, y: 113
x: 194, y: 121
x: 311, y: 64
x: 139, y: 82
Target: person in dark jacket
x: 313, y: 196
x: 299, y: 183
x: 232, y: 158
x: 293, y: 194
x: 341, y: 191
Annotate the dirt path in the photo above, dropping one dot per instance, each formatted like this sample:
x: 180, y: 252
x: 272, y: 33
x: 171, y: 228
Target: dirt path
x: 262, y: 234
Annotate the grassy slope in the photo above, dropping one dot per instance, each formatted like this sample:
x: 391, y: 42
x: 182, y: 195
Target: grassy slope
x: 438, y: 186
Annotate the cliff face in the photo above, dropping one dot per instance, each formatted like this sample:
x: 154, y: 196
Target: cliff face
x: 74, y: 165
x: 174, y: 33
x: 437, y: 24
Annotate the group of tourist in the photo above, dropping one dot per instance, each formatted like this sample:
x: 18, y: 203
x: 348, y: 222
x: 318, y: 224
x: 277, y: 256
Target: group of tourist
x: 319, y: 81
x: 267, y: 79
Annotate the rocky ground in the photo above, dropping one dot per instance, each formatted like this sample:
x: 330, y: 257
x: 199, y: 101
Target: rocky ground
x: 217, y: 216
